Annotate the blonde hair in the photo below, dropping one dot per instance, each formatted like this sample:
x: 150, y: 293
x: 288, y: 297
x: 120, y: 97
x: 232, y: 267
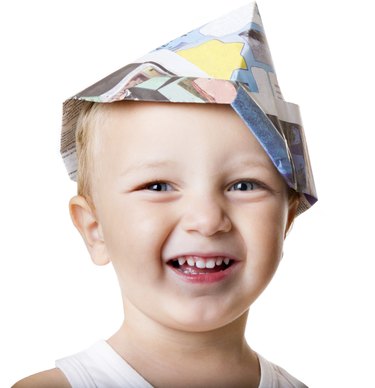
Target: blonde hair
x: 90, y: 117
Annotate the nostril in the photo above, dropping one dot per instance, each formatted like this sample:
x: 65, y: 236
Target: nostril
x: 208, y: 224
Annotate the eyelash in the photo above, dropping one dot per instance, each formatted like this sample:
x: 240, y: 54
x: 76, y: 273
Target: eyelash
x: 254, y: 185
x: 153, y: 183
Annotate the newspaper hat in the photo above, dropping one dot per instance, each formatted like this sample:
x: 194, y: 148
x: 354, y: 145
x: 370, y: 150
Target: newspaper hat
x: 226, y: 61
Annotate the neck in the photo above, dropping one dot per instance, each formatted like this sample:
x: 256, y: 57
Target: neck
x: 142, y: 342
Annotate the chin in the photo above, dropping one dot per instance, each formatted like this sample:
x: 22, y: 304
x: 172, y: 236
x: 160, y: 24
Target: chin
x: 203, y: 318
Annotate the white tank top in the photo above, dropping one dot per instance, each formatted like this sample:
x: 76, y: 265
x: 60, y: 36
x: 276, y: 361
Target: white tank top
x: 100, y: 366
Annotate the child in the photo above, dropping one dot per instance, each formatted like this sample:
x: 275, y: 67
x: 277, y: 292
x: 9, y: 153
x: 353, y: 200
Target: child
x: 191, y: 200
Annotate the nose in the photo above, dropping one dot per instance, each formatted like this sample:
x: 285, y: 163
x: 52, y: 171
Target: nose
x: 205, y: 215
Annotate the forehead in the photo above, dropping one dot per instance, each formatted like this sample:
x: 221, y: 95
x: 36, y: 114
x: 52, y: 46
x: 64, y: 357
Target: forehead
x: 136, y: 131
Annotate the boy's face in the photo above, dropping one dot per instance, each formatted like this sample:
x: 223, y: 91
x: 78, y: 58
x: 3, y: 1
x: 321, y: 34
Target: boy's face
x: 186, y: 181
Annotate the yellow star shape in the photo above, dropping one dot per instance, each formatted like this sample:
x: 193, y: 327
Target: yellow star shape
x: 218, y: 59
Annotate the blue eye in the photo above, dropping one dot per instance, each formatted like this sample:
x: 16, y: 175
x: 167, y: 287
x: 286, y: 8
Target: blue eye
x: 243, y: 186
x: 158, y: 186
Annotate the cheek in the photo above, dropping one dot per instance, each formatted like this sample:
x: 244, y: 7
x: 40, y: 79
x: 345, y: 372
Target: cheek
x: 135, y: 233
x: 264, y: 238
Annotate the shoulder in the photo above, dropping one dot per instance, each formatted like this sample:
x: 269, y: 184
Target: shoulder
x: 46, y: 379
x: 274, y: 376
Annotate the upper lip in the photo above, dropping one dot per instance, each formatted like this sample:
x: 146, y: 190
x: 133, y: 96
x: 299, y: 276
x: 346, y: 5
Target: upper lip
x: 204, y: 255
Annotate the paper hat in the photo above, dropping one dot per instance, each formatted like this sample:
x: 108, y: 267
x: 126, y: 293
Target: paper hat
x: 226, y: 61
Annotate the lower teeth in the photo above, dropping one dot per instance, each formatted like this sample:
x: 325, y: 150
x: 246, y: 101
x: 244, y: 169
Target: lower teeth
x: 196, y: 271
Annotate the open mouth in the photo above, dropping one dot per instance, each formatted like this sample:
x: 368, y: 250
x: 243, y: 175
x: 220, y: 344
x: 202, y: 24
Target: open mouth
x: 195, y: 265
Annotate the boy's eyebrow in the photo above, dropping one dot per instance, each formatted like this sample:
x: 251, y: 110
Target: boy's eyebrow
x: 153, y: 164
x: 148, y: 165
x: 250, y: 162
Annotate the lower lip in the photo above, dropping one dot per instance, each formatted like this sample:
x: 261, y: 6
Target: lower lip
x: 205, y: 278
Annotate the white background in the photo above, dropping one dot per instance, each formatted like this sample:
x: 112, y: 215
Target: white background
x: 316, y: 319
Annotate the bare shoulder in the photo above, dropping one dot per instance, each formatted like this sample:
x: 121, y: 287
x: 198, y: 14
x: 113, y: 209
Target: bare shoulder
x: 52, y: 378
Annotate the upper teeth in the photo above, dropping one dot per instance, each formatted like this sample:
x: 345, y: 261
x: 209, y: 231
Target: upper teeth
x: 199, y: 262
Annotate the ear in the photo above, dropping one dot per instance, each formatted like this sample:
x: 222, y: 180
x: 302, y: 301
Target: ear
x: 85, y: 220
x: 292, y: 211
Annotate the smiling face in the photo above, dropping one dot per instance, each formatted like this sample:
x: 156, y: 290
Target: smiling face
x: 188, y: 208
